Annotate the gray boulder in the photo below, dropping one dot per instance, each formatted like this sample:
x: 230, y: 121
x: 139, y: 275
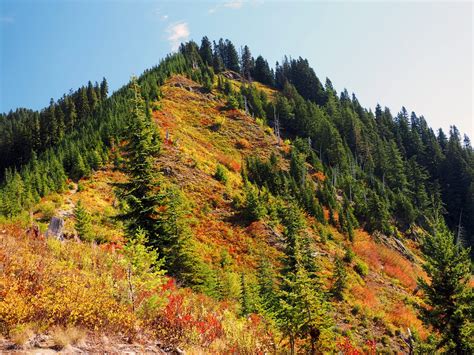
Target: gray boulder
x: 55, y: 228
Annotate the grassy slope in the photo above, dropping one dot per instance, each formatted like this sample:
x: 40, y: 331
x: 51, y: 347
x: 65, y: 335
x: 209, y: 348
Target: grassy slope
x: 379, y: 306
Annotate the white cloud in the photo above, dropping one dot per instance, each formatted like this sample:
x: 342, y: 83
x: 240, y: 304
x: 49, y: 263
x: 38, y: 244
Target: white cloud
x: 229, y: 4
x: 162, y: 16
x: 177, y: 33
x: 233, y: 4
x: 6, y: 19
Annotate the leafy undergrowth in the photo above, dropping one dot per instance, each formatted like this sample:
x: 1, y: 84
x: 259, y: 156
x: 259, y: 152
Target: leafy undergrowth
x: 47, y: 284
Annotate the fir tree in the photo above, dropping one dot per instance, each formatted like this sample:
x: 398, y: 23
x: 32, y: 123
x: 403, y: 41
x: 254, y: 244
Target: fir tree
x: 104, y: 89
x: 340, y: 279
x: 83, y: 222
x: 449, y: 297
x: 247, y: 63
x: 205, y: 51
x: 140, y: 191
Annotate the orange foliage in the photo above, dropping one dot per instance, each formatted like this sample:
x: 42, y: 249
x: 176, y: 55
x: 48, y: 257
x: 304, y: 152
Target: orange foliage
x: 242, y: 143
x: 381, y: 258
x: 366, y: 295
x: 404, y: 317
x: 319, y: 176
x: 229, y: 163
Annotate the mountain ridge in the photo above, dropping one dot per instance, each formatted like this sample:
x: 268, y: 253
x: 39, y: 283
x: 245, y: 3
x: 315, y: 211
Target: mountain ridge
x: 239, y: 183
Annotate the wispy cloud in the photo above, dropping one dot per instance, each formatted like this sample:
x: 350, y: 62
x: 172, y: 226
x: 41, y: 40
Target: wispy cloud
x: 6, y: 19
x: 163, y: 17
x: 233, y: 4
x: 229, y: 4
x: 177, y: 33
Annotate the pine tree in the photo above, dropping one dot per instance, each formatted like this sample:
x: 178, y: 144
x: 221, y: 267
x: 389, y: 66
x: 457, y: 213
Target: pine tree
x: 253, y: 207
x: 84, y: 110
x: 152, y: 207
x: 231, y: 58
x: 303, y: 309
x: 104, y: 89
x: 205, y: 51
x: 266, y: 287
x: 262, y: 72
x: 83, y: 222
x: 140, y: 191
x: 92, y: 96
x: 247, y: 63
x: 340, y: 279
x: 449, y: 297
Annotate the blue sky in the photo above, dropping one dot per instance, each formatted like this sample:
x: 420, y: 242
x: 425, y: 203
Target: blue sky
x: 417, y: 54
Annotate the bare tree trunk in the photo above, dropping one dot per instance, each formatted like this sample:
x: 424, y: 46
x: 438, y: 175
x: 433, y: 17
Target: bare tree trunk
x: 130, y: 287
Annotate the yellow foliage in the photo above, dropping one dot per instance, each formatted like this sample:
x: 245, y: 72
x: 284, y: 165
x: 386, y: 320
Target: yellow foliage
x: 54, y: 283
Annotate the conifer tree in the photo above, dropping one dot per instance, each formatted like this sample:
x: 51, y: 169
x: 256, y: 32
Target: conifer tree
x: 231, y: 58
x: 449, y: 297
x: 104, y: 89
x: 151, y: 206
x: 262, y: 72
x: 303, y: 308
x: 267, y: 287
x: 92, y: 96
x: 340, y: 279
x: 83, y: 222
x: 140, y: 191
x: 247, y: 63
x: 205, y: 51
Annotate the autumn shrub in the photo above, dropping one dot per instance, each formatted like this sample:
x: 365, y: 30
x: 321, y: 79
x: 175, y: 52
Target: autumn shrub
x: 229, y: 163
x: 69, y: 288
x: 404, y: 317
x: 381, y: 258
x: 59, y: 283
x: 47, y: 209
x: 365, y: 296
x: 183, y: 321
x: 218, y: 123
x: 242, y: 143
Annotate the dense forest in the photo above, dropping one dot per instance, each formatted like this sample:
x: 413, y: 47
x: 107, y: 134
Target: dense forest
x: 385, y: 173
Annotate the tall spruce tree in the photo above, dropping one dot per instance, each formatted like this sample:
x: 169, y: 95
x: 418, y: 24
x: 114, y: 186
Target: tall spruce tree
x: 303, y: 311
x: 205, y: 51
x: 150, y: 206
x: 448, y: 296
x: 140, y: 191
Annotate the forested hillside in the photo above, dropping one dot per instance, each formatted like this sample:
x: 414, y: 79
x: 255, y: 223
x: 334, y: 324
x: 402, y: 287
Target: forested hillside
x: 302, y: 221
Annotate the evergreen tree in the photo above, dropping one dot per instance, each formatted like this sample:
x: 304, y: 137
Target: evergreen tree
x: 92, y: 96
x: 104, y: 89
x: 83, y: 222
x: 247, y: 63
x: 449, y: 297
x: 205, y: 51
x: 231, y: 58
x: 340, y: 279
x: 152, y: 207
x: 262, y: 72
x: 140, y: 192
x: 303, y: 309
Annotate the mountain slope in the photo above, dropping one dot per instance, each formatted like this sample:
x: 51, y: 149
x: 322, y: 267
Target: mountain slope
x: 199, y: 133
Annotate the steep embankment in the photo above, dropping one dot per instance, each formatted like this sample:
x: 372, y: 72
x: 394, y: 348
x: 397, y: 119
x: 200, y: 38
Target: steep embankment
x: 199, y: 133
